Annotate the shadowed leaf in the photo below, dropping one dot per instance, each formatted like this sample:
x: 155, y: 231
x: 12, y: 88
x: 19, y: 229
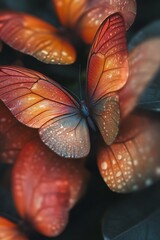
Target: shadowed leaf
x: 136, y: 217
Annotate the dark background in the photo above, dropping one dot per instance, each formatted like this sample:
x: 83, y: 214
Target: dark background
x: 88, y: 220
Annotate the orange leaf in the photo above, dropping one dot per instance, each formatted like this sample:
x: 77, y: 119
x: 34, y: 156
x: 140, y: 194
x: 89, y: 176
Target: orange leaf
x: 35, y: 37
x: 86, y: 16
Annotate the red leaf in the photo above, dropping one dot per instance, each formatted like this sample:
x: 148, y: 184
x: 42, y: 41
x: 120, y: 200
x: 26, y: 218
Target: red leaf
x: 13, y: 135
x: 46, y: 186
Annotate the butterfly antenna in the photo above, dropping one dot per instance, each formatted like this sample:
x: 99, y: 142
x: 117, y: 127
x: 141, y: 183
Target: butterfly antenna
x: 80, y: 83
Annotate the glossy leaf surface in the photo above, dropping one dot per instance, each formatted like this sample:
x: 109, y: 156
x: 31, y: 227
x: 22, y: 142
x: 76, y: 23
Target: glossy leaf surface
x: 86, y: 16
x: 150, y: 99
x: 13, y: 135
x: 132, y: 162
x: 136, y: 216
x: 35, y: 37
x: 10, y: 231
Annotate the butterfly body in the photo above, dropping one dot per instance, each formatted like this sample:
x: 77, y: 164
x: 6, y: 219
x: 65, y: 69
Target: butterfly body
x: 86, y: 113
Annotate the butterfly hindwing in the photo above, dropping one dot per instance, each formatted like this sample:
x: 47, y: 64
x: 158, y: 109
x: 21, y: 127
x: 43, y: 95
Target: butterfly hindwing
x: 41, y: 103
x: 107, y: 73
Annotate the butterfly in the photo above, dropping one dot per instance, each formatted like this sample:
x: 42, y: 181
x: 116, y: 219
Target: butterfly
x: 33, y: 36
x: 39, y: 102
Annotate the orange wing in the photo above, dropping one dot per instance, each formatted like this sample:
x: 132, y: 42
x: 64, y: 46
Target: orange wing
x: 46, y: 186
x: 10, y: 231
x: 13, y: 135
x: 107, y: 73
x: 35, y: 37
x: 132, y: 163
x: 144, y: 62
x: 41, y: 103
x: 87, y: 15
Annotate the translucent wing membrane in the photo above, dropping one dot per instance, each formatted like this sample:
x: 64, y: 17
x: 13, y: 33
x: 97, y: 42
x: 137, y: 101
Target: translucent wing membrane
x: 68, y: 136
x: 35, y: 37
x: 107, y: 116
x: 46, y: 186
x: 132, y: 163
x: 13, y: 135
x: 108, y: 59
x: 37, y: 103
x: 10, y: 231
x: 107, y: 73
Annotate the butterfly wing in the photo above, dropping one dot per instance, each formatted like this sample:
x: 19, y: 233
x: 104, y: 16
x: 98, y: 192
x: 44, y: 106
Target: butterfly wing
x: 10, y: 231
x: 41, y: 103
x: 107, y: 73
x: 35, y: 37
x: 46, y: 186
x: 132, y: 162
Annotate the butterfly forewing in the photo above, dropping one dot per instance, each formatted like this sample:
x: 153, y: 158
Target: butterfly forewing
x: 10, y: 231
x: 107, y: 73
x: 41, y: 103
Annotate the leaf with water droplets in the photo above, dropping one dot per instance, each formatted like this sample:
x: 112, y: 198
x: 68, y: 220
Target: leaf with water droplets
x: 35, y: 37
x: 86, y: 16
x: 13, y: 135
x: 46, y: 186
x: 132, y: 162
